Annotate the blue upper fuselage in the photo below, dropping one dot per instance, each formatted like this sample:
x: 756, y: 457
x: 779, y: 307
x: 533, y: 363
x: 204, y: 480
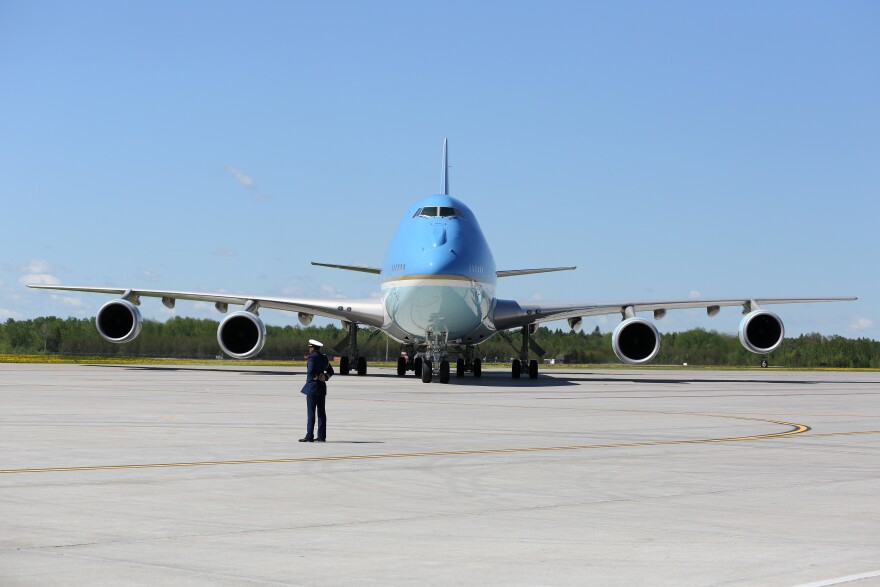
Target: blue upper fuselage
x: 438, y: 278
x: 439, y: 236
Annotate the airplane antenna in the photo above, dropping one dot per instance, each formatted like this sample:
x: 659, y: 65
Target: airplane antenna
x: 444, y: 173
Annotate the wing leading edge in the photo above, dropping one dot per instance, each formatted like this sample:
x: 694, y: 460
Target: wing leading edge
x: 512, y: 314
x: 362, y: 311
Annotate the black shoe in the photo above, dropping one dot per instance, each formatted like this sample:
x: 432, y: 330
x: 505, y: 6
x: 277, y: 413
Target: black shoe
x: 320, y: 440
x: 307, y: 439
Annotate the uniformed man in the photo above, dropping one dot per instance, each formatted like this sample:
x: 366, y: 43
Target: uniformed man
x: 318, y: 370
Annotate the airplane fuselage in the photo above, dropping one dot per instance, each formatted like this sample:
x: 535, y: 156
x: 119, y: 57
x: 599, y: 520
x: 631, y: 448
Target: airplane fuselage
x: 438, y: 277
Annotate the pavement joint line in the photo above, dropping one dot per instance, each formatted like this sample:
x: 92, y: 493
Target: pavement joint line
x: 795, y: 429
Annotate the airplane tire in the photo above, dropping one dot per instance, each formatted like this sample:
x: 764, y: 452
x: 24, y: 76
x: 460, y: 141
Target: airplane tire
x: 533, y: 369
x: 417, y: 366
x: 515, y: 368
x: 459, y: 368
x: 401, y: 367
x: 427, y: 371
x: 362, y: 366
x: 478, y: 367
x: 444, y: 371
x: 344, y: 366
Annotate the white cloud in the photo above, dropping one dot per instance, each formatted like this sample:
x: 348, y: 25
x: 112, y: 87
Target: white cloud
x: 331, y: 291
x: 69, y: 302
x: 225, y: 253
x: 37, y: 272
x: 292, y: 290
x: 240, y: 177
x: 248, y: 183
x: 150, y: 275
x: 38, y: 279
x: 7, y: 314
x: 861, y: 323
x: 694, y: 295
x: 37, y: 266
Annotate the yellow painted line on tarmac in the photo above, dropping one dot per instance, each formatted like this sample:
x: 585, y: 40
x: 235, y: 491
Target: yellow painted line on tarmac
x: 855, y: 433
x: 793, y: 429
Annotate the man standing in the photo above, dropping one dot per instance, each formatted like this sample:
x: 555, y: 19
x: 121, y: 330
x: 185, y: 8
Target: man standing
x: 318, y: 370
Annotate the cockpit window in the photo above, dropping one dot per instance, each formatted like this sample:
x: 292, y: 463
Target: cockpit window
x: 438, y: 211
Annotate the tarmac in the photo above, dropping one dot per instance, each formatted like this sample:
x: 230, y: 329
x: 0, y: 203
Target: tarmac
x: 178, y: 475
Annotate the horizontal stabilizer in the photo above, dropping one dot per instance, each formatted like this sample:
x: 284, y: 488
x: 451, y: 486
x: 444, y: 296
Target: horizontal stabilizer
x: 514, y: 272
x: 349, y: 267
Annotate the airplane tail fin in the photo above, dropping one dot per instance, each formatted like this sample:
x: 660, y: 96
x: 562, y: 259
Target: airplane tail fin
x: 444, y: 173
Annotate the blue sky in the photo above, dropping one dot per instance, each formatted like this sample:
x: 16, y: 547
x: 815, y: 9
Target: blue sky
x: 669, y: 150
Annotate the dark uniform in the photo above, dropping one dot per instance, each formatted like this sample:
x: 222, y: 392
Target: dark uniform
x: 316, y: 394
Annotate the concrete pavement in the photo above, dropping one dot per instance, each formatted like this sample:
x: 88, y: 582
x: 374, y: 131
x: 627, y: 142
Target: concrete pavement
x: 131, y: 475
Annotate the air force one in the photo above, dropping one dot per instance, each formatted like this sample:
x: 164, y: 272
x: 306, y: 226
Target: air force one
x: 438, y: 300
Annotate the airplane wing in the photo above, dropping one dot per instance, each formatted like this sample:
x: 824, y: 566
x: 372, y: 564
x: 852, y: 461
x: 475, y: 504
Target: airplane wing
x: 362, y: 311
x: 513, y: 314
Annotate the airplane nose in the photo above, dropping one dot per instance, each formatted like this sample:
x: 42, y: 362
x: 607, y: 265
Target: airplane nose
x: 442, y: 260
x: 439, y: 236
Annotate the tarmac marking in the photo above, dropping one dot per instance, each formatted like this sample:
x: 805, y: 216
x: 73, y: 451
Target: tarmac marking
x: 841, y: 580
x: 793, y: 430
x: 855, y: 433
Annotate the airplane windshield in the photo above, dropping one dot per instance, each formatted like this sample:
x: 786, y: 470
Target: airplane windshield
x: 438, y: 211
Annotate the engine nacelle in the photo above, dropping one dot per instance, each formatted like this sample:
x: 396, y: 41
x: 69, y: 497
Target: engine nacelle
x: 635, y: 341
x: 305, y: 319
x: 761, y: 332
x: 119, y: 321
x: 241, y: 335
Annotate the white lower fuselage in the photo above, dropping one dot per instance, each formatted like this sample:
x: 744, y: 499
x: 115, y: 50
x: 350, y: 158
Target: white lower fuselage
x: 457, y: 309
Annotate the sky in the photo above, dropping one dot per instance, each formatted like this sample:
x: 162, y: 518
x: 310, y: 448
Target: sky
x: 669, y: 150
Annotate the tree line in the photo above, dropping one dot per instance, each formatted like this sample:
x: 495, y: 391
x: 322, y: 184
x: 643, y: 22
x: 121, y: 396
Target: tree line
x: 197, y: 339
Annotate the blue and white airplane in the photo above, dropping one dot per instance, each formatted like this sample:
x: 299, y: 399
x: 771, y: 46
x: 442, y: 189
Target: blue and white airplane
x: 438, y: 300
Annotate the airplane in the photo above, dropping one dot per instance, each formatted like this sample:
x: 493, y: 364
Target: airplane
x: 438, y: 300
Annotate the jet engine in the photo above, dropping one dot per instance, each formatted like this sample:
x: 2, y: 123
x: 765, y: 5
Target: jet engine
x: 119, y: 321
x: 761, y: 332
x: 241, y: 335
x: 635, y: 341
x: 305, y: 319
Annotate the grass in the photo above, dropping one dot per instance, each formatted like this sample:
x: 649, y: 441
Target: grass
x: 104, y: 360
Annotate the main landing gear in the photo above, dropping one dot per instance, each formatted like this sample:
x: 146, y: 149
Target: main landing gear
x: 522, y: 365
x: 352, y: 359
x: 434, y: 359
